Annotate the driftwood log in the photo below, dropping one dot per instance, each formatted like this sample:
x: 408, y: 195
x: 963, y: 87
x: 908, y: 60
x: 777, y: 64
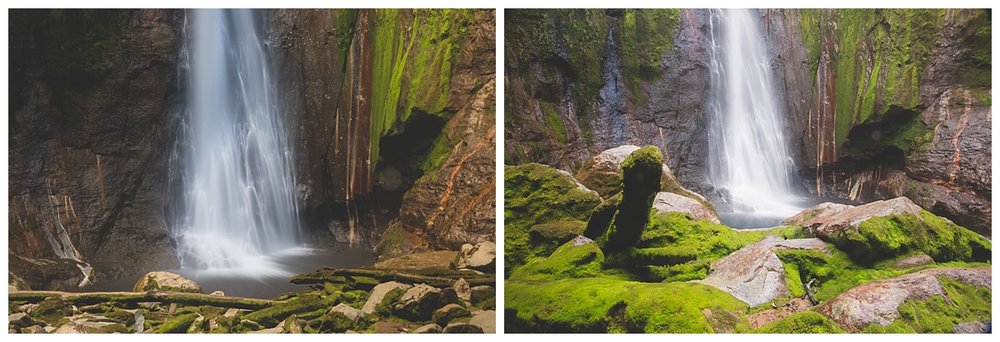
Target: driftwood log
x: 88, y: 298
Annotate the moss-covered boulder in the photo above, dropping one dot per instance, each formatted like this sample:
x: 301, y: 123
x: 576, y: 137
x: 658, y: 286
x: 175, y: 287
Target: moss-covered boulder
x: 611, y: 305
x: 641, y: 173
x: 536, y: 194
x: 934, y: 301
x: 551, y: 235
x: 165, y: 281
x: 579, y: 258
x: 53, y: 311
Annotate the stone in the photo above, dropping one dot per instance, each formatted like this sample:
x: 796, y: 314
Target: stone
x: 378, y: 295
x: 486, y: 320
x: 34, y: 329
x: 462, y: 290
x: 481, y: 257
x: 816, y: 213
x: 217, y: 294
x: 641, y: 172
x: 19, y: 320
x: 427, y: 329
x: 449, y: 312
x: 462, y: 328
x: 754, y: 274
x: 232, y: 312
x: 878, y: 302
x: 482, y: 293
x: 667, y: 202
x: 834, y: 221
x: 348, y: 311
x: 976, y: 327
x: 913, y: 261
x: 768, y: 316
x: 420, y: 301
x: 165, y: 281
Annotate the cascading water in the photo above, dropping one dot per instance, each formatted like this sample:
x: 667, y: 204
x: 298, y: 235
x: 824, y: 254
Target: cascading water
x: 239, y: 208
x: 748, y: 154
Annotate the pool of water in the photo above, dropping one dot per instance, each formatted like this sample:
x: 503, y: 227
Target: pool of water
x: 245, y: 283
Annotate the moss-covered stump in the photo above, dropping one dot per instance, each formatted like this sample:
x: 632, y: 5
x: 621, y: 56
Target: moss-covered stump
x: 641, y: 173
x: 536, y: 194
x: 611, y: 305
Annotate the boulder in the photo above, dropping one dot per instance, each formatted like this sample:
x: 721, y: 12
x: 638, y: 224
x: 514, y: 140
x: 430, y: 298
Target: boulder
x: 462, y: 328
x: 754, y: 274
x: 19, y: 320
x: 165, y: 281
x: 836, y: 219
x: 448, y: 313
x: 976, y: 327
x: 667, y: 202
x: 462, y: 290
x: 34, y: 329
x: 420, y: 301
x: 481, y: 257
x: 482, y: 293
x: 217, y: 294
x: 351, y: 313
x: 817, y: 213
x: 427, y: 329
x: 913, y: 261
x: 486, y: 320
x: 641, y: 172
x: 378, y: 294
x: 878, y: 302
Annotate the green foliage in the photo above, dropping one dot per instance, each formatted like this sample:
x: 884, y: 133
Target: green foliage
x: 610, y: 305
x: 536, y: 194
x: 641, y: 172
x: 566, y: 262
x: 891, y: 236
x: 805, y: 322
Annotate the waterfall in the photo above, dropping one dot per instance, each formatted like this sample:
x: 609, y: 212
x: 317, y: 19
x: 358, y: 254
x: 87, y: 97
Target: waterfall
x: 748, y: 153
x: 239, y: 207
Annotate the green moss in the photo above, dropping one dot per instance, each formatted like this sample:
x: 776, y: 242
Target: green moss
x: 555, y: 122
x: 609, y: 305
x: 52, y: 310
x: 694, y: 270
x: 536, y: 194
x: 806, y: 322
x: 567, y: 261
x: 940, y: 314
x: 271, y: 316
x: 179, y: 324
x: 641, y: 172
x: 601, y: 217
x: 793, y: 281
x: 644, y: 36
x: 880, y: 238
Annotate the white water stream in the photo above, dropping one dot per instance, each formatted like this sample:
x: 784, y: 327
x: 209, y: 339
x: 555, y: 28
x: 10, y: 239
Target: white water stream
x: 748, y: 153
x: 240, y: 213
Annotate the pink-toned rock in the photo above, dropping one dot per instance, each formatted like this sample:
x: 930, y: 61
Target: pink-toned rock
x: 754, y: 274
x: 667, y: 202
x: 832, y: 221
x: 878, y: 302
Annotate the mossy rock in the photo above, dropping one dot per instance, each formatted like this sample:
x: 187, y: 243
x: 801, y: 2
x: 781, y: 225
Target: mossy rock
x: 940, y: 314
x: 805, y: 322
x: 53, y: 311
x: 602, y: 216
x: 334, y: 322
x: 270, y: 317
x: 880, y: 238
x: 536, y: 194
x: 165, y: 281
x: 641, y: 172
x: 574, y: 259
x: 611, y: 305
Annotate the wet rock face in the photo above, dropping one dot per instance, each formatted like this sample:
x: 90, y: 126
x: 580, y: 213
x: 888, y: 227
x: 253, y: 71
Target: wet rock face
x: 878, y: 302
x: 93, y: 117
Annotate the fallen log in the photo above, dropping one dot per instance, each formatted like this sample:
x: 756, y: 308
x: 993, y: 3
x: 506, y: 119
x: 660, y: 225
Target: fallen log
x: 183, y: 298
x: 338, y: 275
